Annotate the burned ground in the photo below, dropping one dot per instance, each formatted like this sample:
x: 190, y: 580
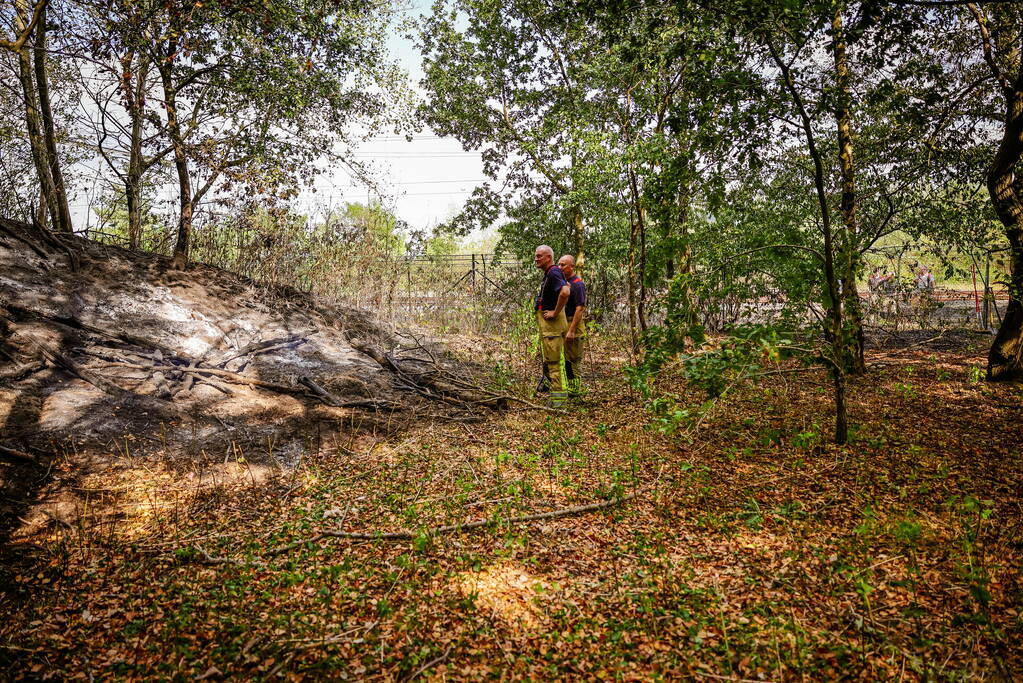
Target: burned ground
x: 114, y: 356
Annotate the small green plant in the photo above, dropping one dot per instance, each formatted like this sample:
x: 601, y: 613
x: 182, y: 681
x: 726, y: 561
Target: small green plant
x: 907, y: 532
x: 975, y: 374
x: 669, y: 416
x: 503, y: 376
x: 974, y: 514
x: 906, y: 389
x: 807, y: 439
x: 868, y: 526
x: 751, y: 514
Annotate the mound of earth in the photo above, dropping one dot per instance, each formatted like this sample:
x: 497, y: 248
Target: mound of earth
x: 112, y: 353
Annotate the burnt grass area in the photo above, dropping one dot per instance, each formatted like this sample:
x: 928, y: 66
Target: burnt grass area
x: 753, y: 549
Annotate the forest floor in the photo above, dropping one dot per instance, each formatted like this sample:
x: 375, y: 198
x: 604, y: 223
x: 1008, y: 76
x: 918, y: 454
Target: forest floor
x: 753, y: 549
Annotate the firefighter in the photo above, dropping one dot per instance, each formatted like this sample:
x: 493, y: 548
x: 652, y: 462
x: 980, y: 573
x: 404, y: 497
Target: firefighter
x: 552, y: 323
x: 575, y: 313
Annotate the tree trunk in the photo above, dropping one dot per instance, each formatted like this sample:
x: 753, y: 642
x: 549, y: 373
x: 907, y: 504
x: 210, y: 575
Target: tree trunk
x: 32, y: 119
x: 134, y: 94
x: 641, y: 307
x: 638, y: 230
x: 630, y: 280
x: 852, y: 356
x: 43, y: 212
x: 833, y: 308
x: 180, y: 257
x: 682, y: 308
x: 59, y: 208
x: 1005, y: 359
x: 580, y: 236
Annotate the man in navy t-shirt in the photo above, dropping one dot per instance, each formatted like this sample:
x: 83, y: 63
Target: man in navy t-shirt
x: 575, y: 312
x: 550, y: 319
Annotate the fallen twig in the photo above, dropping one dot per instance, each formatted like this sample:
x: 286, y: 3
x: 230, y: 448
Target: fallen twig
x: 431, y: 663
x: 18, y: 372
x: 478, y: 524
x: 332, y: 400
x: 226, y: 374
x: 18, y: 455
x: 263, y: 347
x: 534, y: 406
x: 291, y: 546
x: 206, y: 558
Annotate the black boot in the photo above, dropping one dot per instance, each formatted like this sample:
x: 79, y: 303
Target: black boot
x: 544, y: 385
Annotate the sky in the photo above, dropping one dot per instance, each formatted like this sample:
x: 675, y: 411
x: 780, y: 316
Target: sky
x: 427, y: 179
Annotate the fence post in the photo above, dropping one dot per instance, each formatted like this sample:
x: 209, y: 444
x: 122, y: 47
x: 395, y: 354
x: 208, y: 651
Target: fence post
x: 976, y: 295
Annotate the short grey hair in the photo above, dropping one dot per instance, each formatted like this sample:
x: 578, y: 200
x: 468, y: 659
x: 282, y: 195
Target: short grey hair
x: 546, y: 249
x: 571, y: 259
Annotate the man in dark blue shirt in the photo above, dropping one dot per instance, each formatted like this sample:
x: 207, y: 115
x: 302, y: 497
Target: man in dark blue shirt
x: 550, y: 319
x: 575, y: 312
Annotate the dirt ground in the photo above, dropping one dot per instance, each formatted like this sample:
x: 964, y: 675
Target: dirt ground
x: 116, y: 358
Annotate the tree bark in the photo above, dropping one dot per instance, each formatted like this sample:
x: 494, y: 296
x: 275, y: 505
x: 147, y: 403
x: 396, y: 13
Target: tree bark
x: 852, y: 357
x: 42, y: 216
x: 683, y: 306
x: 638, y: 231
x: 134, y: 94
x: 32, y: 119
x: 180, y: 257
x: 59, y: 208
x: 1005, y: 185
x: 630, y: 280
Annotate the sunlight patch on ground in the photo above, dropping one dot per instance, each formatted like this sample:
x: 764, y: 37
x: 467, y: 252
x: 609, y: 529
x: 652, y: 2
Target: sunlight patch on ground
x: 138, y: 501
x: 507, y: 592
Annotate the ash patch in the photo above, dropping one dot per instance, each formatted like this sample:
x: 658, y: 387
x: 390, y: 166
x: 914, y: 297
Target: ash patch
x: 125, y: 358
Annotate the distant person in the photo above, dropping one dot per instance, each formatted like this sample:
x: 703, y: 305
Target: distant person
x: 552, y: 323
x: 889, y: 283
x: 924, y: 280
x: 575, y: 312
x: 876, y: 280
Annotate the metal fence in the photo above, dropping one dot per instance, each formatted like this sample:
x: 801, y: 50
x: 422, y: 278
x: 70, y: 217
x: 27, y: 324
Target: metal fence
x: 485, y: 290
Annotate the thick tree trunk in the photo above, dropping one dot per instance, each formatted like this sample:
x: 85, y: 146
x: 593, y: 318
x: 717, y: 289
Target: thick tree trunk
x: 32, y: 118
x: 59, y: 208
x: 180, y: 257
x: 1005, y: 185
x: 852, y: 356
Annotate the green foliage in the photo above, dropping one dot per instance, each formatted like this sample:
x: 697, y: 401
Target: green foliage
x: 712, y: 367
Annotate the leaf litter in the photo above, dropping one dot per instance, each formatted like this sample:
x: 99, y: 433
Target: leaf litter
x: 758, y: 550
